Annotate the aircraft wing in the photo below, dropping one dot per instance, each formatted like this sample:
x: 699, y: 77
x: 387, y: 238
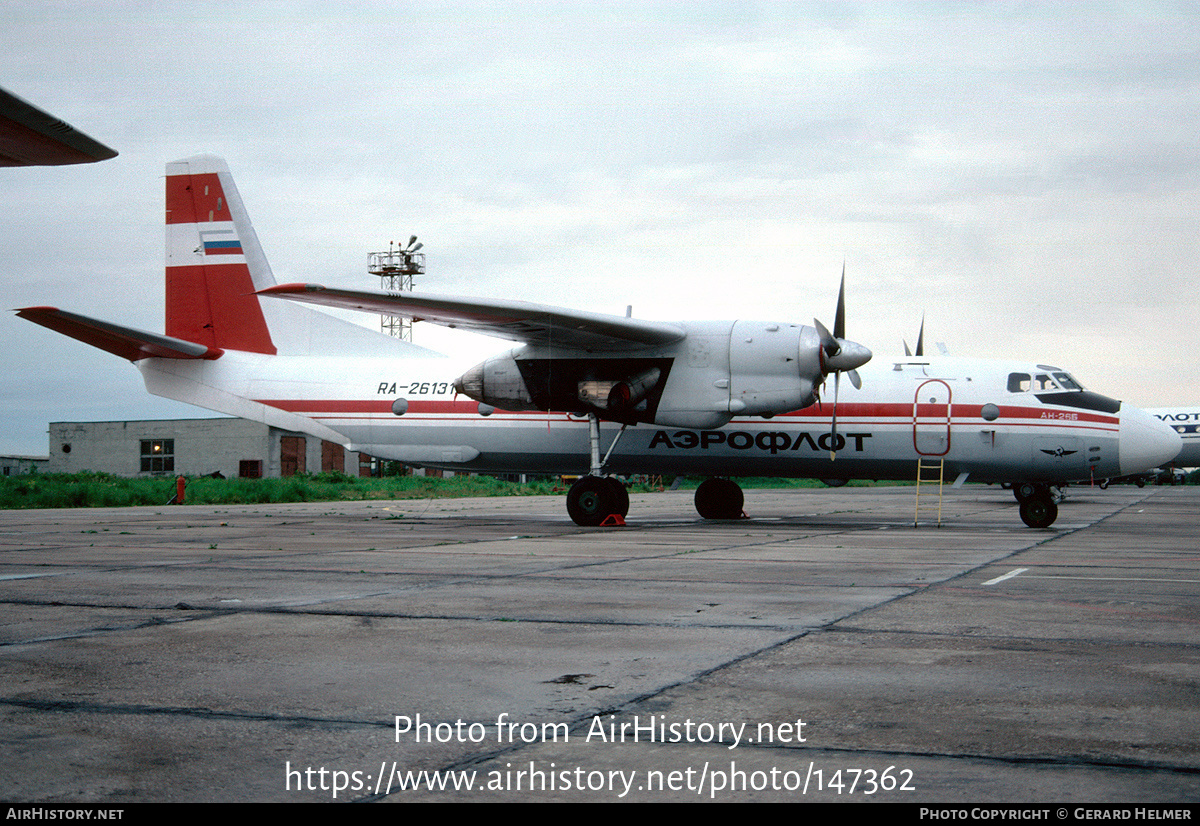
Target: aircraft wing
x: 125, y: 342
x: 513, y: 320
x: 31, y: 137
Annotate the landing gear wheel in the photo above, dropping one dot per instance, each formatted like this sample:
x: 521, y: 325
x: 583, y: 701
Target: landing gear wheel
x: 593, y: 499
x: 1039, y: 511
x: 620, y: 496
x: 719, y: 499
x: 590, y: 500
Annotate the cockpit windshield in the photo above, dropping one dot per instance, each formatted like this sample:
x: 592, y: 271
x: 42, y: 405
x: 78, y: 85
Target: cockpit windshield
x: 1041, y: 382
x: 1067, y: 382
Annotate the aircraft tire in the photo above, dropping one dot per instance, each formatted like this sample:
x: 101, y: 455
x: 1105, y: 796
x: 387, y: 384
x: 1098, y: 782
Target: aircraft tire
x: 719, y: 499
x: 590, y: 500
x: 620, y: 496
x: 1039, y: 511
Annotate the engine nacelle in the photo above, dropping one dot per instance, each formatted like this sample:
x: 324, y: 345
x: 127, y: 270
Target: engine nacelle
x: 717, y: 371
x: 773, y: 368
x: 497, y: 382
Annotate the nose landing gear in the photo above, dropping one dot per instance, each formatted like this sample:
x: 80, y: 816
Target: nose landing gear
x: 1039, y: 508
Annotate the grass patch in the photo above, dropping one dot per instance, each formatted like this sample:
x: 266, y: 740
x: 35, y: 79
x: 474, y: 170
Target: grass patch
x: 104, y: 490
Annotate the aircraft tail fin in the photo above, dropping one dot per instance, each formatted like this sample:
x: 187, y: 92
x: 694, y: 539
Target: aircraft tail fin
x: 214, y: 265
x: 214, y: 261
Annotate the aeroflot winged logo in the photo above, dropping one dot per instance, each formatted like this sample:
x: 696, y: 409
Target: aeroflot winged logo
x: 220, y: 242
x: 1059, y: 452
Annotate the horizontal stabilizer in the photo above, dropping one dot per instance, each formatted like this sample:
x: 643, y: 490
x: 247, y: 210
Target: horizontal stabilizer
x: 120, y: 341
x: 513, y: 320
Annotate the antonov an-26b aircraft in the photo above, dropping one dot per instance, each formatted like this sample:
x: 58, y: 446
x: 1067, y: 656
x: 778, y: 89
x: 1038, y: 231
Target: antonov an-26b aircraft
x: 594, y: 394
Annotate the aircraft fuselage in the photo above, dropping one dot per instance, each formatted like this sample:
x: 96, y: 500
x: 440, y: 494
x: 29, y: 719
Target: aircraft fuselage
x: 996, y: 421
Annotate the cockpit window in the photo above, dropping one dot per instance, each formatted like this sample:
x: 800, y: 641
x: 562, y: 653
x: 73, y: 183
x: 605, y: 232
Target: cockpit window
x: 1042, y: 382
x: 1067, y: 382
x: 1018, y: 383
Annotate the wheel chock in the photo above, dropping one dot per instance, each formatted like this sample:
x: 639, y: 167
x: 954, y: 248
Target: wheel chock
x: 613, y: 520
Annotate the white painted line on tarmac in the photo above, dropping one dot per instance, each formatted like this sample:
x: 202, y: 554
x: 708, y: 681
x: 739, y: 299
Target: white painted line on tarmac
x: 1106, y: 578
x: 1009, y: 575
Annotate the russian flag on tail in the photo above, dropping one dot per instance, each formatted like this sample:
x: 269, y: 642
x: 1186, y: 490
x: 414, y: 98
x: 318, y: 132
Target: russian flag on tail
x: 220, y: 242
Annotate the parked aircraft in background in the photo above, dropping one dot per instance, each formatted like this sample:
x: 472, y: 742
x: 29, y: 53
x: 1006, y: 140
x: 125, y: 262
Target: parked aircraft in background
x: 1186, y: 422
x: 595, y: 394
x: 32, y: 137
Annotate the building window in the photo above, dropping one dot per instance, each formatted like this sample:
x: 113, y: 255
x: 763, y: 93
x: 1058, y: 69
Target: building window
x: 158, y: 455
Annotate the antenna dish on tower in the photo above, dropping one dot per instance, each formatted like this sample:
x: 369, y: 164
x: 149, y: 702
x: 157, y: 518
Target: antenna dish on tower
x: 396, y: 267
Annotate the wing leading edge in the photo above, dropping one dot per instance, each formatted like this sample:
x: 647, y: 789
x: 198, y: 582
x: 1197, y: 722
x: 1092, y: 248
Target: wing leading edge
x: 513, y: 320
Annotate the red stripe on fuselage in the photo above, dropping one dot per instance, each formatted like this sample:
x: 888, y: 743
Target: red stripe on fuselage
x: 881, y: 414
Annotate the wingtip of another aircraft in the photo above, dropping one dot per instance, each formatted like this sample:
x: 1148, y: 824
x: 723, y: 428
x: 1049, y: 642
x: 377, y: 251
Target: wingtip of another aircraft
x: 290, y: 289
x: 31, y: 136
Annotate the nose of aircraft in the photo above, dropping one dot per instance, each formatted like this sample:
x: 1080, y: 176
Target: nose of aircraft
x: 1145, y: 442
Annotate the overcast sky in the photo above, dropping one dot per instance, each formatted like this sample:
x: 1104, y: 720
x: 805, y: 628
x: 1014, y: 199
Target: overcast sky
x: 1024, y: 175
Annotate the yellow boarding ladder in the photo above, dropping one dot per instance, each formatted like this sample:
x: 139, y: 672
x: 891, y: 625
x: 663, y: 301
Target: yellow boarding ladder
x: 927, y: 467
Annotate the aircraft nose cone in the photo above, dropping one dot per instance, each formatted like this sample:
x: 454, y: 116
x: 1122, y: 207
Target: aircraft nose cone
x: 1145, y: 442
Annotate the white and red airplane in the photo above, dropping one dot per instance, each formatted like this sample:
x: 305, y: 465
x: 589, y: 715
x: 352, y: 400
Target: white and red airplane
x: 597, y: 394
x: 1186, y: 422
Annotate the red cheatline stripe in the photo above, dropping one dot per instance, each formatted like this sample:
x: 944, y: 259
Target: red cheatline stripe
x: 882, y: 414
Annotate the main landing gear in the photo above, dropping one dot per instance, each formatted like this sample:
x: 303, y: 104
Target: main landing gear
x: 596, y: 497
x: 593, y: 499
x: 719, y: 499
x: 1039, y: 507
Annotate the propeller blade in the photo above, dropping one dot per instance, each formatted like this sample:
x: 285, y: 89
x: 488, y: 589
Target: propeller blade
x: 833, y: 429
x: 907, y: 352
x: 921, y: 338
x: 839, y: 318
x: 828, y: 343
x: 837, y: 356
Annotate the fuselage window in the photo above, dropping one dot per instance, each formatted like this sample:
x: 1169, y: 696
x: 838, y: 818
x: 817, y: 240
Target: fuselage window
x: 1018, y: 383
